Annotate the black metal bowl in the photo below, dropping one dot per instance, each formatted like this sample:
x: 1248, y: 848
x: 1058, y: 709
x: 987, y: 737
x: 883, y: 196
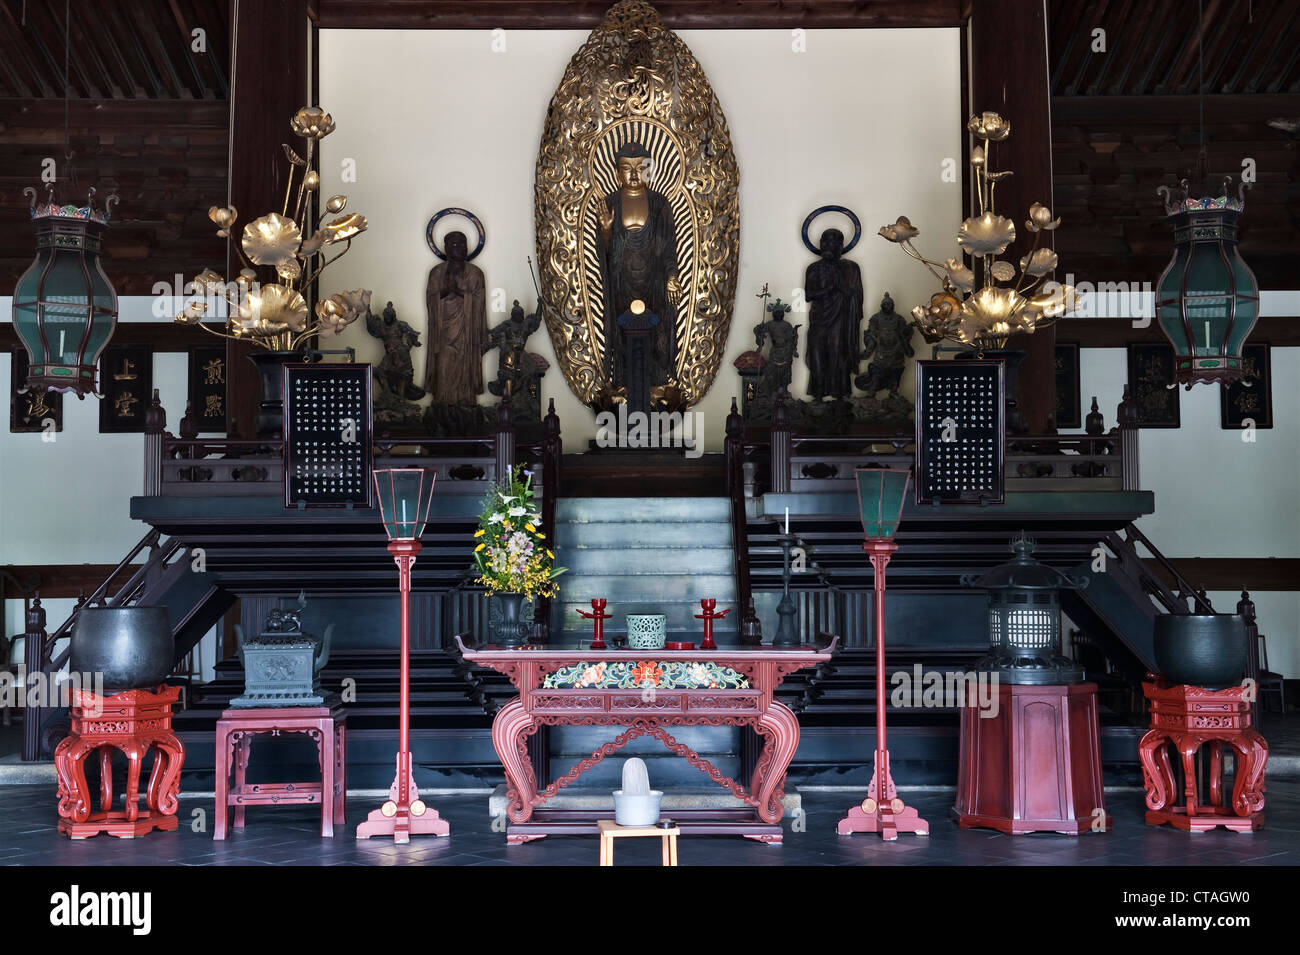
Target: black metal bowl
x: 132, y: 647
x: 1206, y: 650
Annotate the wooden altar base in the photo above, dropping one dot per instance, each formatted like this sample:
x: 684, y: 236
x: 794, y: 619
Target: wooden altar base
x: 115, y: 824
x: 701, y: 822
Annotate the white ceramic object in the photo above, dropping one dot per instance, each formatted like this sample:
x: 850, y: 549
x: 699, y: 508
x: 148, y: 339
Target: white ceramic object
x: 647, y: 631
x: 640, y: 810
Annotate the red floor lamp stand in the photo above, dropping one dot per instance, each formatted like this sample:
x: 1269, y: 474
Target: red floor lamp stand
x: 401, y: 493
x: 880, y: 493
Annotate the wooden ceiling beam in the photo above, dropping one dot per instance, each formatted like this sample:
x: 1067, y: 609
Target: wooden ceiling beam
x: 1164, y: 111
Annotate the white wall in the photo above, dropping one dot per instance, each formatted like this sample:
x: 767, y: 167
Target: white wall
x: 1217, y: 495
x: 437, y: 119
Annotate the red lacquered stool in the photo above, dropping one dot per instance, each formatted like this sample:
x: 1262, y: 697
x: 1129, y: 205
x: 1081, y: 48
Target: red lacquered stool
x: 1185, y: 718
x: 135, y: 722
x: 327, y: 727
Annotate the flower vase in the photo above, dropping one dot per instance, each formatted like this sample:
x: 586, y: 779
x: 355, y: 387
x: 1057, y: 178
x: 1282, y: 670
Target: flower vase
x: 270, y: 369
x: 508, y: 628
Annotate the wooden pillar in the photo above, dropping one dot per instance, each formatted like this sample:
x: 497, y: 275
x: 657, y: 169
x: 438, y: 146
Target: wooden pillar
x: 270, y: 81
x: 1009, y: 75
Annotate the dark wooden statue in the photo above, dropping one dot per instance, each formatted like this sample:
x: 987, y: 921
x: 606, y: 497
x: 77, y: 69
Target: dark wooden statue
x: 636, y: 241
x: 888, y: 343
x: 784, y: 337
x: 517, y: 368
x: 395, y: 373
x: 833, y: 288
x: 457, y: 327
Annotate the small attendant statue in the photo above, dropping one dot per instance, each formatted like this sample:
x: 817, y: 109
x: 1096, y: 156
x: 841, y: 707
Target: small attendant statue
x: 457, y: 327
x: 888, y: 343
x: 396, y: 372
x: 784, y: 337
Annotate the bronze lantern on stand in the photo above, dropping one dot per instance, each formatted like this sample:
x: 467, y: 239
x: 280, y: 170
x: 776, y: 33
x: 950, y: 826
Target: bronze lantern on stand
x: 1030, y: 762
x: 1025, y: 619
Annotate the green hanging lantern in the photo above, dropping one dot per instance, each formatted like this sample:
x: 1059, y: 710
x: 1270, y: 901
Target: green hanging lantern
x: 1207, y: 299
x: 64, y: 307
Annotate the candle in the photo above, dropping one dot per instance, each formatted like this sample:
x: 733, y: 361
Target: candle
x: 787, y: 520
x: 403, y: 510
x: 61, y: 334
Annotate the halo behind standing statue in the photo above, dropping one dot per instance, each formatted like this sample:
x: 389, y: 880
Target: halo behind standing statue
x: 857, y: 227
x: 466, y: 214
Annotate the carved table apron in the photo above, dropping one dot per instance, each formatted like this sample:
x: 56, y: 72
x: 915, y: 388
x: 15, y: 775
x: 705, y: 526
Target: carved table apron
x: 646, y: 713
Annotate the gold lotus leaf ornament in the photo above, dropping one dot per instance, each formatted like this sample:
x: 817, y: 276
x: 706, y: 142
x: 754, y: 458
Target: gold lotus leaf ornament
x: 344, y: 228
x: 900, y: 231
x: 988, y: 234
x: 312, y: 122
x: 959, y: 275
x: 1040, y: 262
x: 311, y: 245
x: 277, y: 305
x: 271, y: 240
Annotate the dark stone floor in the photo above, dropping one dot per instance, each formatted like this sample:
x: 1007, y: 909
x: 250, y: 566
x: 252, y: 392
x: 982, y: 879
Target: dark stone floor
x: 290, y: 836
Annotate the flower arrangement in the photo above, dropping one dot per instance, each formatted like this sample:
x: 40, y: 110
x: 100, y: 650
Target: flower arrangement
x: 512, y: 554
x: 985, y: 317
x: 275, y: 315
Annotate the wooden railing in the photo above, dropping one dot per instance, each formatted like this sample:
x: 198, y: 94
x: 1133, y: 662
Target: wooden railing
x: 734, y: 447
x: 809, y: 463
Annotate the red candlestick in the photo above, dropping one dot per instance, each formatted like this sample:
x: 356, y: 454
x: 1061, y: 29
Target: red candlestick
x: 882, y: 811
x: 708, y: 603
x: 405, y: 812
x: 598, y: 618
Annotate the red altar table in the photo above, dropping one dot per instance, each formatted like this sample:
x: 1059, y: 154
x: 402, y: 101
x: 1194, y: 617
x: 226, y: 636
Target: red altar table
x: 1184, y: 718
x: 646, y: 714
x: 135, y: 722
x: 236, y: 730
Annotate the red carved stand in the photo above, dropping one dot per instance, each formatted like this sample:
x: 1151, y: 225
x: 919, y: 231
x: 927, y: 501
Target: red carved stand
x: 1184, y: 718
x: 236, y: 731
x: 1036, y: 765
x: 134, y: 722
x: 882, y: 811
x: 764, y: 667
x: 598, y: 618
x: 405, y: 813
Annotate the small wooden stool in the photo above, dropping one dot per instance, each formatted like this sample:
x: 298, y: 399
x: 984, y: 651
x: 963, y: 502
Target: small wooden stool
x: 610, y: 830
x: 236, y: 729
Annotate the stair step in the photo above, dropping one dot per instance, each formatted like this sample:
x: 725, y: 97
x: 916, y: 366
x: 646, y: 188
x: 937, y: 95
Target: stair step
x: 623, y: 510
x: 638, y: 535
x: 647, y: 561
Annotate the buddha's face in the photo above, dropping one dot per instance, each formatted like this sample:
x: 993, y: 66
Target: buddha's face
x: 457, y: 247
x: 632, y: 172
x: 832, y: 243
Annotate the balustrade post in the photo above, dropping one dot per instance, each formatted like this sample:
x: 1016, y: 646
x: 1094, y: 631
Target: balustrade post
x: 552, y: 452
x: 1126, y: 415
x: 34, y: 668
x: 155, y: 422
x: 780, y: 447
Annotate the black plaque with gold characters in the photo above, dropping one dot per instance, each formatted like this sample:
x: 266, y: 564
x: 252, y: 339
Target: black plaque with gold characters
x: 960, y: 436
x: 1069, y: 404
x: 126, y: 381
x: 208, y: 388
x: 31, y: 410
x: 327, y: 435
x: 1151, y: 378
x: 1251, y: 398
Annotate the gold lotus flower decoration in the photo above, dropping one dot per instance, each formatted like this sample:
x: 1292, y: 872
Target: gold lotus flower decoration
x: 275, y: 314
x: 984, y: 314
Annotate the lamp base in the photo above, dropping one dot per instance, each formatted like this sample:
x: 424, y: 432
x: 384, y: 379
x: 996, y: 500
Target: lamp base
x: 403, y: 818
x: 883, y: 812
